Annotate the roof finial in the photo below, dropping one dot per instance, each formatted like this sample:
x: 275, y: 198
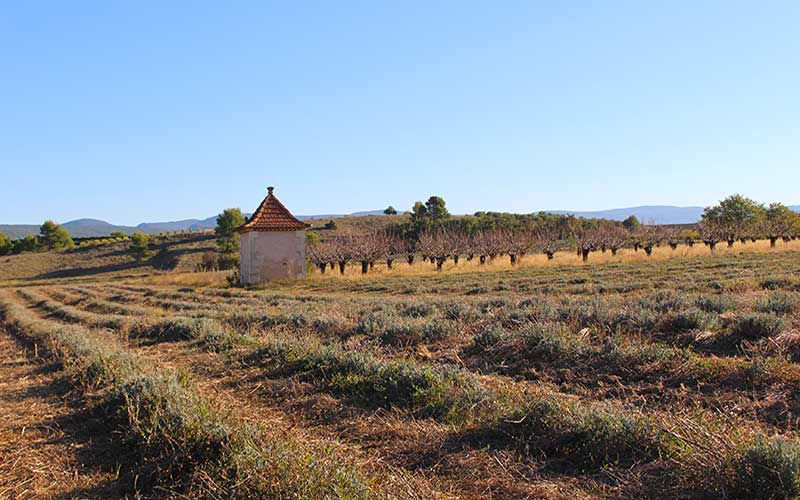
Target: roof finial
x: 269, y: 190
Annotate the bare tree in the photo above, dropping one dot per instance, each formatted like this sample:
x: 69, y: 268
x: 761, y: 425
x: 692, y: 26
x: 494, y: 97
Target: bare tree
x: 516, y: 243
x: 613, y: 237
x: 487, y: 243
x: 320, y: 254
x: 712, y: 233
x: 369, y: 247
x: 341, y: 248
x: 434, y: 244
x: 586, y: 239
x: 650, y: 237
x: 550, y: 238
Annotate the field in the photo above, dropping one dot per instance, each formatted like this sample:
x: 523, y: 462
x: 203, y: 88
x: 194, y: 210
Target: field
x: 674, y: 376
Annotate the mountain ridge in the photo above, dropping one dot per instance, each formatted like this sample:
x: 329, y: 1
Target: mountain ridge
x: 89, y: 227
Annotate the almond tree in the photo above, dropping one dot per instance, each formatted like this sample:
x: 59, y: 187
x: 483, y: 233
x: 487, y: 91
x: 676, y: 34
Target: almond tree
x: 487, y: 243
x: 712, y: 233
x: 342, y: 250
x: 457, y: 243
x: 649, y: 237
x: 672, y: 236
x: 369, y: 247
x: 434, y: 243
x: 319, y: 254
x: 586, y: 239
x: 613, y: 237
x: 517, y: 243
x: 550, y: 238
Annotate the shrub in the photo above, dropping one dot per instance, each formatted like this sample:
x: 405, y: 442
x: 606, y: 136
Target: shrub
x: 140, y: 246
x: 418, y: 310
x: 586, y: 438
x: 758, y: 325
x: 459, y: 311
x: 769, y: 469
x: 715, y: 303
x: 775, y: 283
x: 778, y: 303
x: 489, y: 336
x: 689, y: 320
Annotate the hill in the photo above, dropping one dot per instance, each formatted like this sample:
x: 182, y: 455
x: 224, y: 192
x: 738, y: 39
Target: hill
x: 83, y: 228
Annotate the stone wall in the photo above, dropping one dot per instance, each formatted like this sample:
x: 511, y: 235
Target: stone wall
x: 272, y: 255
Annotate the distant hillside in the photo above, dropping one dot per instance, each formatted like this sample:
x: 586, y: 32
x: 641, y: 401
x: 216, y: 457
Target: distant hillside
x: 82, y: 228
x: 656, y: 214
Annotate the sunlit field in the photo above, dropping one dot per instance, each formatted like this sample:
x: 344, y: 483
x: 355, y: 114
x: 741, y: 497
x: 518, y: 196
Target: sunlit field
x: 671, y: 376
x: 502, y: 263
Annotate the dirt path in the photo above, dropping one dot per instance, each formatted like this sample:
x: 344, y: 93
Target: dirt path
x: 48, y: 447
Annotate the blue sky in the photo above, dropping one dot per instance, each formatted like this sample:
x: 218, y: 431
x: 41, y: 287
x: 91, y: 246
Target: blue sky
x: 143, y: 111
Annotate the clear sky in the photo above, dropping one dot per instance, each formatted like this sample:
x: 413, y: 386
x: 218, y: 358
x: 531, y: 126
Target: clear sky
x: 146, y: 111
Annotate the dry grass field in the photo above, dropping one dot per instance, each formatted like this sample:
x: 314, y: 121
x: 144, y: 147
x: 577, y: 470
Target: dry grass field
x: 674, y: 376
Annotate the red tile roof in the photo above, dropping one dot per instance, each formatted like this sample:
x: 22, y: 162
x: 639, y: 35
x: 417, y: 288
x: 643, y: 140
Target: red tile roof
x: 271, y: 215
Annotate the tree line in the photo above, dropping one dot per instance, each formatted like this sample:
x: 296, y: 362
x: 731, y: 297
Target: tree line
x: 434, y: 236
x: 51, y: 237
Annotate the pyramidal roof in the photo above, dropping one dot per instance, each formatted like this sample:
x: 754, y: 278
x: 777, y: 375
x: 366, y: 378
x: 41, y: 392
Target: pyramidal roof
x: 271, y: 215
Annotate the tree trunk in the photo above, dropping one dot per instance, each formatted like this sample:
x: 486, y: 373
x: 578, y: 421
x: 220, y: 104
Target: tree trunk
x: 333, y: 264
x: 579, y: 252
x: 433, y: 260
x: 614, y: 251
x: 712, y: 245
x: 322, y: 267
x: 455, y: 259
x: 585, y: 254
x: 648, y: 250
x: 690, y: 243
x: 635, y: 247
x: 389, y: 263
x: 482, y: 259
x: 371, y: 265
x: 603, y: 248
x: 673, y: 246
x: 549, y: 255
x: 513, y: 259
x: 470, y: 256
x: 772, y: 241
x: 342, y: 263
x: 364, y: 266
x: 410, y: 259
x: 440, y: 263
x: 730, y: 243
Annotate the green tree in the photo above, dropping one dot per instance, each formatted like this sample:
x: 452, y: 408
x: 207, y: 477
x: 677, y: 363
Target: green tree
x: 118, y: 234
x: 5, y: 244
x: 418, y: 213
x: 779, y: 221
x: 140, y: 246
x: 436, y: 209
x: 432, y: 213
x: 631, y: 223
x: 29, y: 243
x: 227, y: 239
x: 390, y: 210
x: 736, y: 216
x: 55, y: 237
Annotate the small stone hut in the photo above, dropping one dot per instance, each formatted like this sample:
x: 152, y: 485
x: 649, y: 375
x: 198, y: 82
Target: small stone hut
x: 273, y: 244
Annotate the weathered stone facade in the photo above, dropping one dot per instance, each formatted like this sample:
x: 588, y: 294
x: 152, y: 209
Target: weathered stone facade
x: 272, y: 255
x: 273, y: 244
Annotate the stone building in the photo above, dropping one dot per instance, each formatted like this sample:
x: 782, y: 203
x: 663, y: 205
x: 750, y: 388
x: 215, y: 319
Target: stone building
x: 273, y: 244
